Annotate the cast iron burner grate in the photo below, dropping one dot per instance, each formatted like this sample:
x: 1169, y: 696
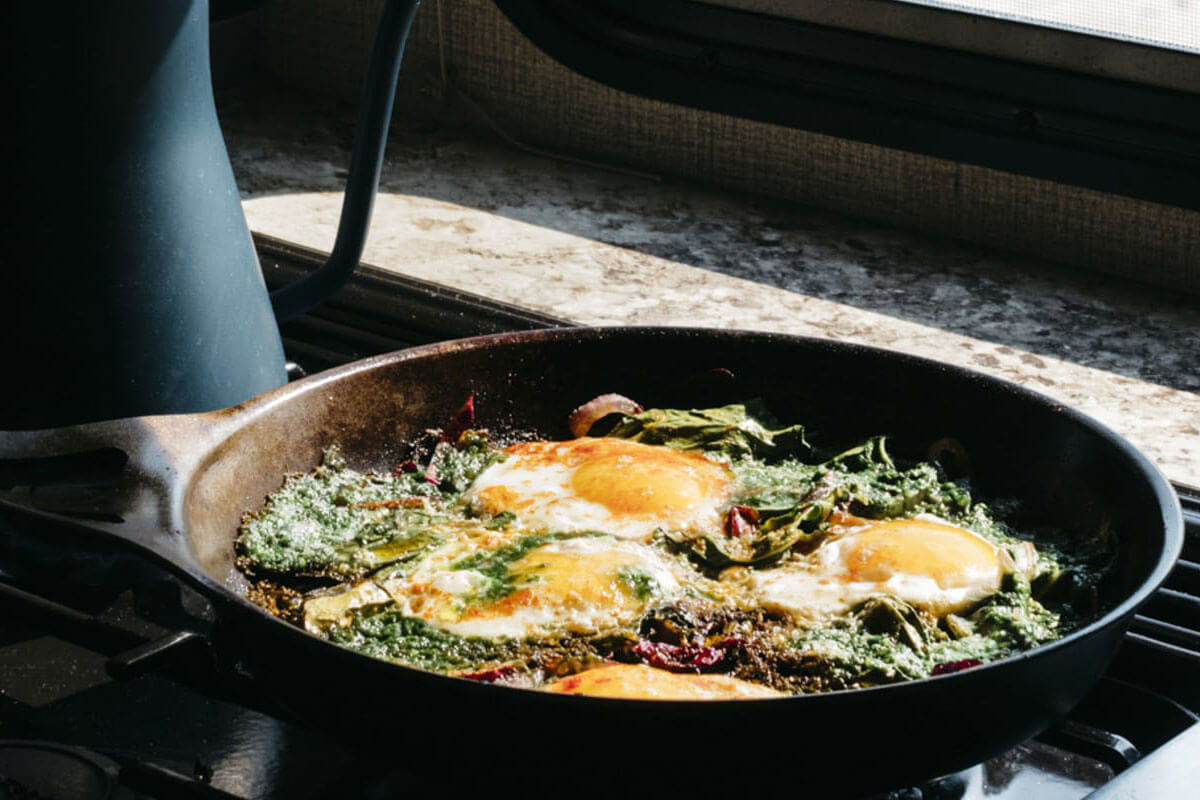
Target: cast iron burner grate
x: 99, y: 674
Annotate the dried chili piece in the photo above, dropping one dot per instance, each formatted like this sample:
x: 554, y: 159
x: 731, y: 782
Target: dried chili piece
x: 947, y: 667
x: 740, y: 520
x: 679, y: 658
x: 491, y: 675
x: 462, y: 420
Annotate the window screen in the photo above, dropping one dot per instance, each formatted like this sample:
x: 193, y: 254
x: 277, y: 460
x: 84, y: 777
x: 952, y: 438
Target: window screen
x: 1173, y: 24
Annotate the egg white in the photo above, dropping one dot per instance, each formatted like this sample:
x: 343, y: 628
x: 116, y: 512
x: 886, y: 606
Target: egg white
x: 540, y: 483
x: 564, y: 586
x: 647, y: 683
x: 820, y: 585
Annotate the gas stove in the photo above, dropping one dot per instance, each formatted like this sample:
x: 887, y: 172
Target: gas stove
x: 105, y: 692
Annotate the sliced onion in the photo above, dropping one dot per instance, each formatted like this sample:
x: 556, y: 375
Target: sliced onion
x: 583, y: 418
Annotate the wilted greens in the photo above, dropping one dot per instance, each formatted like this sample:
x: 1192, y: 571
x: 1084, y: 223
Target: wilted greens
x: 354, y: 536
x: 729, y: 430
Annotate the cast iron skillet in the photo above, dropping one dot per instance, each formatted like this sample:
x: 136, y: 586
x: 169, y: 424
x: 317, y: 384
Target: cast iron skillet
x: 189, y: 478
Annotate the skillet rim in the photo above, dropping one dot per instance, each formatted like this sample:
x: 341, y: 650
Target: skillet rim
x: 1167, y: 500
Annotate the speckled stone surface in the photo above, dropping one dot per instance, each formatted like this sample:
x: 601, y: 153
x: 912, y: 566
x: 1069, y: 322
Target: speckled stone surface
x: 604, y: 248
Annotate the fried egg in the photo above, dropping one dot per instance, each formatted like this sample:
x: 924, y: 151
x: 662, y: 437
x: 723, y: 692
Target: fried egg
x: 531, y: 586
x: 640, y: 682
x: 622, y: 488
x: 932, y: 565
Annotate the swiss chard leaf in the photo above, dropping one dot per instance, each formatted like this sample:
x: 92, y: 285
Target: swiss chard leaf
x: 734, y: 430
x: 868, y: 479
x: 773, y: 537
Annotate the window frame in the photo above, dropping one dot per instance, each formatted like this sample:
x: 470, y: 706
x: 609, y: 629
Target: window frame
x: 941, y: 23
x: 1091, y: 131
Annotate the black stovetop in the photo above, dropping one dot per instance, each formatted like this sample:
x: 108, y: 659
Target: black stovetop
x: 99, y: 690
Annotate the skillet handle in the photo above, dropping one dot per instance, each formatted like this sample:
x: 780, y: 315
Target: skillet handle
x: 122, y: 478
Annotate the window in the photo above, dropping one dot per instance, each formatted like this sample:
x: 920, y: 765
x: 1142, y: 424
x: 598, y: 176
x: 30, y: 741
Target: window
x: 1173, y: 24
x: 1101, y: 94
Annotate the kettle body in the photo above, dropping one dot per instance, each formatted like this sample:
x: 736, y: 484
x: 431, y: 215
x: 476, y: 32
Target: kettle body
x: 130, y: 285
x: 133, y: 285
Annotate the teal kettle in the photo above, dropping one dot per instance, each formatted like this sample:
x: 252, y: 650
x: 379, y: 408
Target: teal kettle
x: 131, y: 285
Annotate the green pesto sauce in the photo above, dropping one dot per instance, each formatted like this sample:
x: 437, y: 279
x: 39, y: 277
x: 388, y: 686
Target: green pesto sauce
x: 639, y: 583
x: 458, y: 464
x: 500, y: 521
x: 849, y: 654
x: 392, y: 636
x: 494, y: 566
x: 1014, y: 620
x: 338, y: 521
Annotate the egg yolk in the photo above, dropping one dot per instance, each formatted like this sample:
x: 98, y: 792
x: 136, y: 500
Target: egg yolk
x: 952, y: 557
x: 660, y: 484
x: 631, y: 479
x: 637, y: 681
x: 568, y: 581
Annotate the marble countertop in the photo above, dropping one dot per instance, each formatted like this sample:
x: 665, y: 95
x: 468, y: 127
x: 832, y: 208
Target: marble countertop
x: 602, y: 247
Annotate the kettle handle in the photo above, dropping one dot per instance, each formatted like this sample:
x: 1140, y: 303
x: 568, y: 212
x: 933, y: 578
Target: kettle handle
x: 366, y: 162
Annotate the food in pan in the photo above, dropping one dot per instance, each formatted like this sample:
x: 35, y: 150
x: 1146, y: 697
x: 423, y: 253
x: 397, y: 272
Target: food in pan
x: 683, y: 554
